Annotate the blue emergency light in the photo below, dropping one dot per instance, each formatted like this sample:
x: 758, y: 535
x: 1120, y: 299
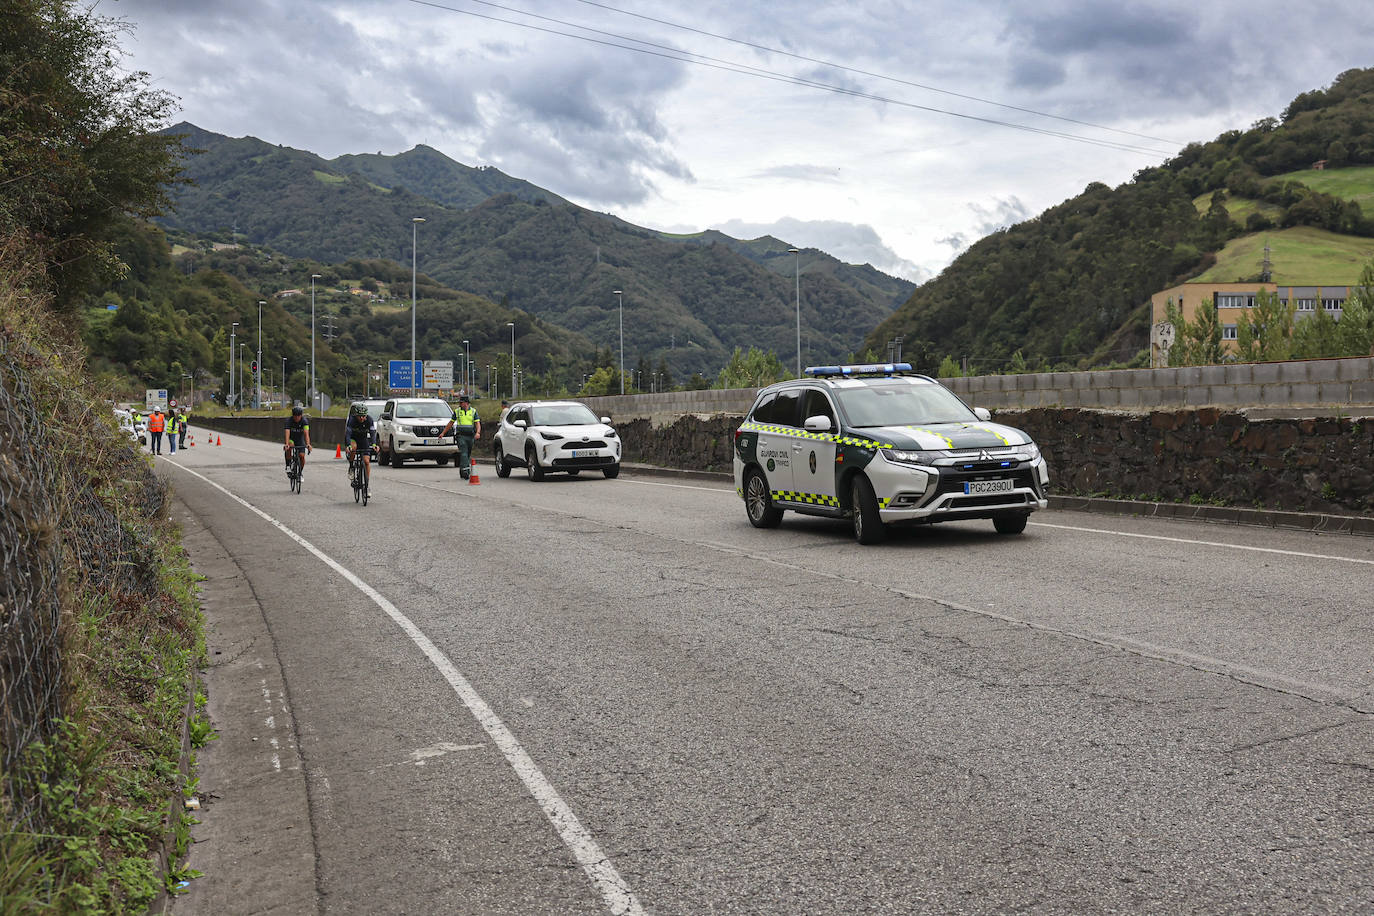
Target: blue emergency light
x: 866, y: 369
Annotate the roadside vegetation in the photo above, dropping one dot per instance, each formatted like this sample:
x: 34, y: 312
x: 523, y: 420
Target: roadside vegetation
x: 102, y: 631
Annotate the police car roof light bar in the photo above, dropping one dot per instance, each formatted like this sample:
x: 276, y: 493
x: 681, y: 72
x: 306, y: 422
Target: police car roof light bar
x: 865, y: 369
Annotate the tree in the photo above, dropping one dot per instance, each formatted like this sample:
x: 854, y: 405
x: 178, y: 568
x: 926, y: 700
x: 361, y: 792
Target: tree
x: 78, y: 144
x: 1196, y: 343
x: 1355, y: 330
x: 1266, y: 332
x: 751, y: 370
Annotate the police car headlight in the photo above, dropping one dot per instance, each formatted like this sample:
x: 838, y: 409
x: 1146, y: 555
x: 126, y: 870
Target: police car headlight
x: 903, y: 456
x: 1028, y: 452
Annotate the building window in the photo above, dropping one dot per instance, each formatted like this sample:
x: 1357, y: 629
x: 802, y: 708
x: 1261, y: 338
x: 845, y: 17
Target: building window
x: 1230, y: 301
x: 1333, y: 305
x: 1307, y: 305
x: 1228, y: 332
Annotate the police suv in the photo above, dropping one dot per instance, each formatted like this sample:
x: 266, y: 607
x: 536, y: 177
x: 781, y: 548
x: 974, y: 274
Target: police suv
x: 879, y: 444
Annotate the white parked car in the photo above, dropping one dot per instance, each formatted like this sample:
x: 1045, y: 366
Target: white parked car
x: 412, y: 429
x: 555, y: 436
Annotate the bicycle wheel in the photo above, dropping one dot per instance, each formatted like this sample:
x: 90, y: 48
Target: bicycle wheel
x: 367, y: 489
x: 355, y: 477
x: 300, y: 473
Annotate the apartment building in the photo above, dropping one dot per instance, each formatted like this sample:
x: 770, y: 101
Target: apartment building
x: 1232, y: 301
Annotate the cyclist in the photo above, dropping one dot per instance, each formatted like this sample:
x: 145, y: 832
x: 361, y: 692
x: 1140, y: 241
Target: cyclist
x: 297, y: 432
x: 360, y: 429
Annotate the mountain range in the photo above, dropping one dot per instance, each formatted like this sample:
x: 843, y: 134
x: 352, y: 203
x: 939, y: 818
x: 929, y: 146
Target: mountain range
x: 688, y: 301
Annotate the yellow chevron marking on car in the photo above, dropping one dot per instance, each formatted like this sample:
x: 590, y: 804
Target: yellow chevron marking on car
x: 989, y: 429
x: 795, y: 433
x: 815, y: 499
x: 930, y: 432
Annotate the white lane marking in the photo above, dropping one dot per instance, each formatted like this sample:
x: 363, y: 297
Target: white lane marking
x: 683, y: 486
x: 1161, y: 537
x: 615, y: 893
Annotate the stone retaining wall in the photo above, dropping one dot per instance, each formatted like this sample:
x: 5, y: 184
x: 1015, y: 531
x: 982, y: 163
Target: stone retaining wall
x: 1204, y: 456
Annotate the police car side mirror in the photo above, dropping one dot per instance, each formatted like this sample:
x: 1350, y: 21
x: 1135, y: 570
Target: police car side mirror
x: 817, y: 424
x: 983, y: 413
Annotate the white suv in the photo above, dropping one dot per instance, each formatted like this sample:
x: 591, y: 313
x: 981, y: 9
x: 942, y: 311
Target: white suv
x: 555, y: 436
x: 413, y: 429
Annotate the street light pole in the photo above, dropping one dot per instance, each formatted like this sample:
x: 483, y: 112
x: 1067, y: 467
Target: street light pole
x: 467, y: 366
x: 310, y: 395
x: 233, y: 348
x: 620, y: 302
x: 511, y: 325
x: 258, y: 406
x: 241, y: 346
x: 415, y: 222
x: 283, y: 381
x: 797, y: 252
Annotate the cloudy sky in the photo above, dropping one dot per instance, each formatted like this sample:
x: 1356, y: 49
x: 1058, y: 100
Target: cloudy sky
x: 893, y: 133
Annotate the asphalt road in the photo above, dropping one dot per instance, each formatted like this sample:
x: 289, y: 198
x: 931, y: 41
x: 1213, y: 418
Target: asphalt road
x: 615, y: 696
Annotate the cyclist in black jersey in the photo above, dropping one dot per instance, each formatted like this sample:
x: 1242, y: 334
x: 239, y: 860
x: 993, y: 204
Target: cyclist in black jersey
x: 297, y: 433
x: 360, y: 429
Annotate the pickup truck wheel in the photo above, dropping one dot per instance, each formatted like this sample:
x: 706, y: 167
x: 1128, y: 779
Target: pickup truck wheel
x: 383, y: 457
x: 396, y: 459
x: 532, y: 467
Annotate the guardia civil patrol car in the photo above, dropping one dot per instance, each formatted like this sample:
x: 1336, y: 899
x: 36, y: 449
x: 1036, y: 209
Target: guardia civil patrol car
x: 880, y: 445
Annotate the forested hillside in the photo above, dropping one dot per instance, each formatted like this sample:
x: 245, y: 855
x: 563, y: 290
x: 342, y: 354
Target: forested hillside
x: 1070, y: 288
x: 172, y: 316
x: 688, y: 301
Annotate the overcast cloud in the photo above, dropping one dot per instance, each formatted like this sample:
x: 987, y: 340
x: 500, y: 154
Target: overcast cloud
x: 884, y: 171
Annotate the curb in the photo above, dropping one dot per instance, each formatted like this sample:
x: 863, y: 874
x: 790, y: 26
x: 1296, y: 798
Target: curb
x: 1234, y: 515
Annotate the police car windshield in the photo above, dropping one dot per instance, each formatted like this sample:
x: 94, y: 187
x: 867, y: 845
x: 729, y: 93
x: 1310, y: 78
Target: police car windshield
x: 902, y: 404
x: 437, y: 410
x: 562, y: 415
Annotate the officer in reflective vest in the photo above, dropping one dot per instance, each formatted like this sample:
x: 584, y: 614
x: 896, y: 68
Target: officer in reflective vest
x: 156, y: 423
x: 173, y: 431
x: 467, y: 428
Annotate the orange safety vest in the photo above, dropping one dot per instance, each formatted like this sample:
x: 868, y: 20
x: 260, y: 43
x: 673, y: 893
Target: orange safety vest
x: 156, y: 423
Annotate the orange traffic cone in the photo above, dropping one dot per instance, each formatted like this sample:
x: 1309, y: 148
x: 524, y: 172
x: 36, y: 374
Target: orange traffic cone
x: 219, y: 440
x: 338, y: 451
x: 190, y: 442
x: 472, y: 475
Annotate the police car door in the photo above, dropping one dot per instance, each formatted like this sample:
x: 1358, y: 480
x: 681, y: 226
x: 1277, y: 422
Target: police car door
x: 774, y: 449
x: 813, y: 454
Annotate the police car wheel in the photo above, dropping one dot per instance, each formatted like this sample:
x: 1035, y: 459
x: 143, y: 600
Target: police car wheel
x: 758, y: 504
x: 868, y: 525
x: 1010, y: 524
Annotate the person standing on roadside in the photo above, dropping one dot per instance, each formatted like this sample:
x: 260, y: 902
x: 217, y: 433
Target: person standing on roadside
x: 467, y: 429
x: 156, y: 424
x: 172, y: 431
x: 181, y: 427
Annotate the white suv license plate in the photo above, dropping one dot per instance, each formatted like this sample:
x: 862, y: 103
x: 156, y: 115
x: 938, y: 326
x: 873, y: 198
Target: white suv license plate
x: 981, y: 487
x: 584, y: 453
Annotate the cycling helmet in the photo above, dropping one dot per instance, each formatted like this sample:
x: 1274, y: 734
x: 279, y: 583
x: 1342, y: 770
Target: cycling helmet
x: 359, y: 410
x: 297, y: 410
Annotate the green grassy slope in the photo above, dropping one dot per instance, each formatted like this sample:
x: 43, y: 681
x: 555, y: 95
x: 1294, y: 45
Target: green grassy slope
x: 1300, y: 256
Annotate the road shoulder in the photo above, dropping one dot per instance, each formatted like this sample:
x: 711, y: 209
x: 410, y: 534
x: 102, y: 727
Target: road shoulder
x: 253, y: 843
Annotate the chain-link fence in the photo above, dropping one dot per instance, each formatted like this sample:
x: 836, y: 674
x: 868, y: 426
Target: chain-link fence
x: 59, y: 538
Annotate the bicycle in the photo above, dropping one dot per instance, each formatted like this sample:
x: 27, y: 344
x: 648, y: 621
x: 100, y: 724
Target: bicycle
x: 357, y: 477
x: 296, y: 471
